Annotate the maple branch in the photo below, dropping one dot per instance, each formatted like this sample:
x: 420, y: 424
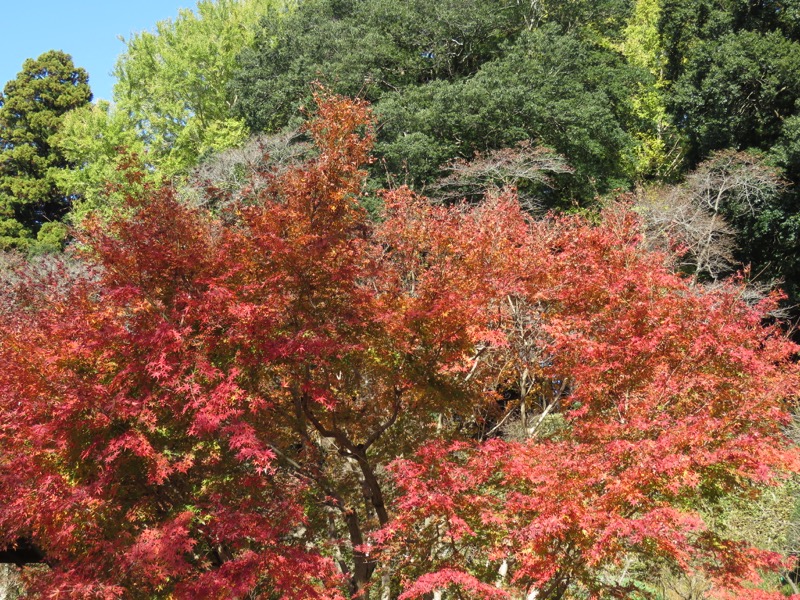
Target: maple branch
x: 333, y: 537
x: 363, y: 566
x: 297, y: 466
x: 558, y: 585
x: 476, y: 361
x: 500, y: 424
x: 532, y: 431
x: 391, y: 421
x: 786, y: 575
x: 359, y: 454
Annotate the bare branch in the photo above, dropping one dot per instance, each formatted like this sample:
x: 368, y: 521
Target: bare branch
x: 526, y: 167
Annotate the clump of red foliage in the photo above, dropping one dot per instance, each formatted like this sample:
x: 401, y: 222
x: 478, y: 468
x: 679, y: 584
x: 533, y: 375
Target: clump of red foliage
x: 284, y: 398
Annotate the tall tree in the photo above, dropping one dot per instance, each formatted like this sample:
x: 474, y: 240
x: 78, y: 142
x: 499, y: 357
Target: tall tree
x: 736, y: 91
x: 32, y: 108
x: 366, y: 48
x: 660, y: 151
x: 453, y: 78
x: 102, y: 145
x: 734, y: 85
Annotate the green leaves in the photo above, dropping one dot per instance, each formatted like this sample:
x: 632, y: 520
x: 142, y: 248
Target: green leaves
x: 452, y: 79
x: 365, y: 49
x: 32, y: 108
x: 736, y: 91
x: 563, y: 92
x: 174, y: 81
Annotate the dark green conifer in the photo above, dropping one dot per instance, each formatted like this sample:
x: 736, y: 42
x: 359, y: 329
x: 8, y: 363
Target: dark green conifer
x: 31, y: 110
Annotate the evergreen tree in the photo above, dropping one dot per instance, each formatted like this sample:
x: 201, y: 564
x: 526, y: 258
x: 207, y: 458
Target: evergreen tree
x: 31, y: 110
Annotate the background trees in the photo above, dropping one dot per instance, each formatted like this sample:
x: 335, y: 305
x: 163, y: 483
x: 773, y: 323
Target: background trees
x: 627, y: 92
x: 172, y: 106
x: 450, y: 79
x: 736, y: 91
x: 573, y: 97
x: 32, y: 108
x: 734, y: 85
x: 725, y: 214
x: 365, y: 49
x: 100, y: 143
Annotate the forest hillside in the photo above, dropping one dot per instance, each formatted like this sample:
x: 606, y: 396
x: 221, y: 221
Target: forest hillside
x: 397, y: 300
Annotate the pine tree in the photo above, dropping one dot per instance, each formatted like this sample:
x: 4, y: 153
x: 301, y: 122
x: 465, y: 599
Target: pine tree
x: 31, y: 111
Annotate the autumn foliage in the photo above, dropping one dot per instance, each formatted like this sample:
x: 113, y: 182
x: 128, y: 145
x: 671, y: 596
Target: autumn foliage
x: 282, y: 398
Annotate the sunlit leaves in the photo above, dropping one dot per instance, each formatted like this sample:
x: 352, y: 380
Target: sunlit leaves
x: 284, y: 398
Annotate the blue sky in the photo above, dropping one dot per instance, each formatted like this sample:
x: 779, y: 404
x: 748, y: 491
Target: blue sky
x: 86, y: 29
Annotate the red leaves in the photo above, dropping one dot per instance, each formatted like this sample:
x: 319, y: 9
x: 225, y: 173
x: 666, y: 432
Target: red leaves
x: 674, y: 394
x: 147, y: 393
x: 158, y: 554
x: 452, y: 578
x: 244, y: 440
x: 216, y: 404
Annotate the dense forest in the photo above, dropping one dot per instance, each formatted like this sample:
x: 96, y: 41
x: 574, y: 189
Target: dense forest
x: 397, y: 300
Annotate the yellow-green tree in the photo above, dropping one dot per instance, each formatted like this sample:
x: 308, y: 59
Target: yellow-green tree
x: 174, y: 81
x: 172, y: 105
x: 660, y: 151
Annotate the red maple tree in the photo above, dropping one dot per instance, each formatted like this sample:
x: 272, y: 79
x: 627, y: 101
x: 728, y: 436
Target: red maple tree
x: 284, y: 399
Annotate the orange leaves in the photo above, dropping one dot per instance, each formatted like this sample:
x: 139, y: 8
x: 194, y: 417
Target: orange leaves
x: 674, y: 392
x: 158, y: 553
x: 218, y: 400
x: 157, y: 383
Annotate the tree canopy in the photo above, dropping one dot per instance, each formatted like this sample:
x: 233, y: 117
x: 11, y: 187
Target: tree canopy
x: 172, y: 106
x: 288, y: 399
x: 173, y: 81
x: 406, y: 300
x: 32, y: 108
x: 626, y: 92
x: 450, y: 79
